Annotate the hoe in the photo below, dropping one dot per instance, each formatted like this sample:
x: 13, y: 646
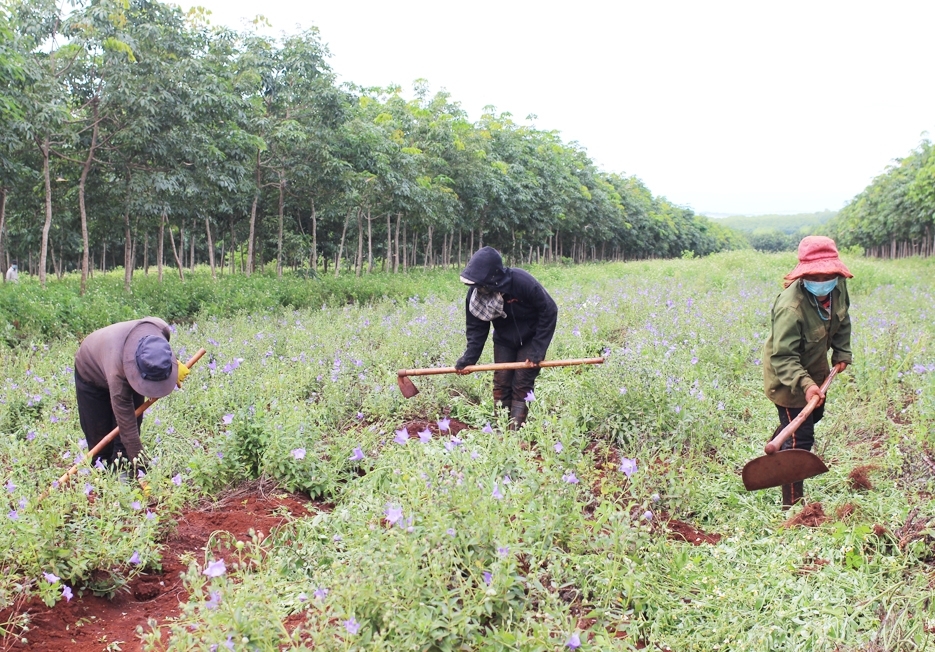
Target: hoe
x: 409, y: 390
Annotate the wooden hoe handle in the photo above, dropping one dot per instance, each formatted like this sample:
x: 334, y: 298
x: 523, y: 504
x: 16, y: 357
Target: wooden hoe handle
x: 498, y: 366
x: 116, y: 431
x: 776, y: 442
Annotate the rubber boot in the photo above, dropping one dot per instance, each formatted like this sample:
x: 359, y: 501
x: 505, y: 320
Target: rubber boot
x: 518, y: 412
x: 792, y: 494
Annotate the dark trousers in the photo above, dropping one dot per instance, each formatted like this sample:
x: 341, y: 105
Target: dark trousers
x: 512, y: 384
x: 96, y: 415
x: 804, y: 437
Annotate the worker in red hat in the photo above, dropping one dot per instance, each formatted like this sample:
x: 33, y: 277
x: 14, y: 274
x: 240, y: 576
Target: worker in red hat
x: 809, y: 317
x: 116, y: 367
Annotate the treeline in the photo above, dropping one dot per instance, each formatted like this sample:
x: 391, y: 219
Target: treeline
x: 777, y: 232
x: 894, y: 216
x: 132, y: 134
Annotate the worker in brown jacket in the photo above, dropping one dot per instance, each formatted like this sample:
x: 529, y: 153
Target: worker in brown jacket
x: 115, y: 368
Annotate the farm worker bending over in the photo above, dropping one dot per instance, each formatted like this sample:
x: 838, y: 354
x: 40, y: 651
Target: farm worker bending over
x: 809, y: 317
x: 115, y: 368
x: 12, y: 274
x: 523, y: 317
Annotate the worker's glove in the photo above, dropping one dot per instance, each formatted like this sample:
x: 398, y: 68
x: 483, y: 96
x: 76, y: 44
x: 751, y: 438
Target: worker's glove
x: 183, y: 373
x: 460, y: 365
x: 145, y: 488
x: 535, y: 358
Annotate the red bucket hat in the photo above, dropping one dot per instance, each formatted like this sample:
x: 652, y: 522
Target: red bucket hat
x: 818, y: 255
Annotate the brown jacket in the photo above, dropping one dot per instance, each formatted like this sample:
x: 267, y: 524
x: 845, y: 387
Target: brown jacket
x: 99, y: 362
x: 795, y: 355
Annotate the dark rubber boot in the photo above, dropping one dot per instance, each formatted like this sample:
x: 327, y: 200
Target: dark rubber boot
x: 792, y: 494
x: 518, y: 412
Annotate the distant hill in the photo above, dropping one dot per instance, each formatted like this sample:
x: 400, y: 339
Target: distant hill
x: 788, y: 224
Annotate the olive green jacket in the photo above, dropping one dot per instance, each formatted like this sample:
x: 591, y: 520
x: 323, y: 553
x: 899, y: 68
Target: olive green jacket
x: 795, y: 355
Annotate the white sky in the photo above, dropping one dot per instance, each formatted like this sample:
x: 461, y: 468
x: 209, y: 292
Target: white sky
x: 740, y: 107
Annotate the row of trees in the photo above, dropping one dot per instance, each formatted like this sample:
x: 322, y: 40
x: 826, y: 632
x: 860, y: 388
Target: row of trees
x: 130, y: 132
x: 895, y: 215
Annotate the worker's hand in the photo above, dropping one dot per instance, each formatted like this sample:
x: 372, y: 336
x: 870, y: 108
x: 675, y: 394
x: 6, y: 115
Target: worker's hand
x: 534, y: 358
x: 814, y: 391
x: 460, y: 365
x: 183, y: 373
x: 841, y: 366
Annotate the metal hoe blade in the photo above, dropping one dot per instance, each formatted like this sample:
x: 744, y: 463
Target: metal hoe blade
x: 781, y: 468
x: 406, y: 386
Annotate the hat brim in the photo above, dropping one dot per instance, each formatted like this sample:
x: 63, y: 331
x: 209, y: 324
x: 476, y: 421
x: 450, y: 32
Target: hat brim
x: 148, y: 388
x: 826, y: 266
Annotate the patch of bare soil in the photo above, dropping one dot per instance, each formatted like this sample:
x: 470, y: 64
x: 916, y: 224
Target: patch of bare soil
x: 682, y: 531
x: 416, y: 426
x: 91, y: 624
x: 859, y: 479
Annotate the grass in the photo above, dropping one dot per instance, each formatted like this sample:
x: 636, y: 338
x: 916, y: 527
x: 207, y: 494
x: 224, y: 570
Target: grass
x: 495, y: 546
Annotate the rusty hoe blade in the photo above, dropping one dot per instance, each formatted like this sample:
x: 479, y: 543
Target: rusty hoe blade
x: 406, y: 386
x: 781, y: 468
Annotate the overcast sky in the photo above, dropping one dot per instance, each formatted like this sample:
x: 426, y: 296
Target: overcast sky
x: 727, y: 107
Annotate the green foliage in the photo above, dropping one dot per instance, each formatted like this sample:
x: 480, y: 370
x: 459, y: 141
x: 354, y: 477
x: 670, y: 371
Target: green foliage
x: 800, y: 224
x: 290, y: 393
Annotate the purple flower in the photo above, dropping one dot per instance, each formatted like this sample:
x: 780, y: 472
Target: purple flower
x: 530, y: 397
x: 67, y: 594
x: 215, y: 600
x: 88, y: 488
x: 487, y: 428
x: 360, y: 415
x: 136, y: 505
x: 503, y: 551
x: 648, y: 515
x: 574, y: 641
x: 425, y: 436
x: 135, y: 558
x: 450, y: 532
x: 449, y: 446
x: 474, y: 455
x: 694, y: 359
x: 351, y: 625
x: 51, y: 578
x: 623, y: 390
x: 10, y: 486
x: 570, y: 478
x: 227, y: 419
x: 320, y: 593
x: 177, y: 480
x: 298, y: 453
x: 628, y: 466
x: 229, y: 643
x: 99, y: 465
x: 487, y: 578
x: 140, y: 474
x: 30, y: 435
x: 402, y: 436
x: 302, y: 597
x: 444, y: 424
x: 457, y: 441
x: 558, y: 447
x: 496, y: 491
x: 655, y: 498
x: 358, y: 455
x: 215, y: 569
x: 393, y: 514
x: 149, y: 515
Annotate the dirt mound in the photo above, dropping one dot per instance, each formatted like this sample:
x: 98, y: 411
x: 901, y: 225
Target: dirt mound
x: 91, y: 624
x: 858, y: 477
x: 681, y: 531
x: 418, y: 425
x: 812, y: 515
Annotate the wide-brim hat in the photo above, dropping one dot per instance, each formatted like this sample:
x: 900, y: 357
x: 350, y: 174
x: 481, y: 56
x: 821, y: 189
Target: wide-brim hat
x: 148, y: 361
x: 818, y: 255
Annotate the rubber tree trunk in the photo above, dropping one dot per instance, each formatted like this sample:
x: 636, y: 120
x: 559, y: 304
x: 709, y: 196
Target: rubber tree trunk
x: 337, y: 261
x: 46, y: 174
x: 358, y: 266
x: 3, y: 194
x: 214, y: 274
x: 313, y: 259
x: 369, y: 242
x: 160, y: 256
x: 252, y: 236
x: 127, y: 245
x: 396, y: 256
x: 282, y: 200
x: 175, y: 252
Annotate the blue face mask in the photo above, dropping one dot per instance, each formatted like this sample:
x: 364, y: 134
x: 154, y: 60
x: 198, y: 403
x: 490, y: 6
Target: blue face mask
x: 820, y: 288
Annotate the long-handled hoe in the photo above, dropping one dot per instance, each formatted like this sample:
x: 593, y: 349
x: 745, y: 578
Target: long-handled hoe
x: 110, y: 436
x: 779, y: 467
x: 409, y: 390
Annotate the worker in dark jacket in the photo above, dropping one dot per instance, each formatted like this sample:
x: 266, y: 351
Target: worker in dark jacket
x: 115, y: 368
x: 808, y: 318
x: 523, y: 317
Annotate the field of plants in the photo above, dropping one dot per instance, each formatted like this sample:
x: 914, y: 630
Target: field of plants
x: 614, y: 520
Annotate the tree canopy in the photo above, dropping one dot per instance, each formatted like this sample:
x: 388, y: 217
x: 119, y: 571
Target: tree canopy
x: 131, y: 132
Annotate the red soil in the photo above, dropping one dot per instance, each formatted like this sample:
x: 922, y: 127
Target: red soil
x: 681, y: 531
x: 812, y: 515
x: 414, y: 427
x: 89, y: 623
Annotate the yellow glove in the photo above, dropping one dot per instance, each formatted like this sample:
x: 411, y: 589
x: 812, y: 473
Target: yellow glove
x: 183, y: 373
x: 147, y: 490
